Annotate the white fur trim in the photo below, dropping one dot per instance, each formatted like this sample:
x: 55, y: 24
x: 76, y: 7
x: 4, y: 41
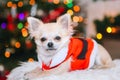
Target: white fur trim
x: 93, y: 54
x: 59, y: 57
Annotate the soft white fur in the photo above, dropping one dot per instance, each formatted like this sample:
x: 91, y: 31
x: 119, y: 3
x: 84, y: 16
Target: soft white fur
x: 91, y: 74
x: 62, y: 28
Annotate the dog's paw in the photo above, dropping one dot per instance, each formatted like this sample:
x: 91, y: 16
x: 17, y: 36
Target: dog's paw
x: 33, y: 74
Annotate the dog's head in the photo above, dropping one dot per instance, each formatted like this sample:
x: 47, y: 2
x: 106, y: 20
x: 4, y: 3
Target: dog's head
x: 50, y: 37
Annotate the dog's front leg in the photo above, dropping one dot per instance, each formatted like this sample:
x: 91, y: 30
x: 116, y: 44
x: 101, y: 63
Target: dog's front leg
x: 33, y: 74
x: 64, y: 67
x: 37, y: 73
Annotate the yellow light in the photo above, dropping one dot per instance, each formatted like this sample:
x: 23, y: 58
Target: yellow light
x: 99, y: 36
x: 75, y: 19
x: 9, y: 4
x: 56, y: 1
x: 20, y: 4
x: 76, y: 8
x: 80, y: 18
x: 7, y: 54
x: 70, y: 12
x: 17, y: 45
x: 109, y: 29
x: 30, y: 60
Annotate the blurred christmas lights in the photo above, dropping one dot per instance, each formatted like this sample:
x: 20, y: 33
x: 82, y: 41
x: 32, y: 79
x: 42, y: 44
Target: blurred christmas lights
x: 21, y: 16
x: 56, y: 1
x: 75, y: 19
x: 24, y: 32
x: 20, y: 4
x: 30, y: 60
x: 76, y: 8
x: 70, y: 12
x: 17, y: 44
x: 3, y: 25
x: 20, y: 25
x: 7, y: 54
x: 9, y: 4
x: 109, y: 29
x: 99, y: 36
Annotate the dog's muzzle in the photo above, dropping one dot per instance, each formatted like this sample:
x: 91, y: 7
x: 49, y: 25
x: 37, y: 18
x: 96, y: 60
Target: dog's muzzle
x: 50, y: 46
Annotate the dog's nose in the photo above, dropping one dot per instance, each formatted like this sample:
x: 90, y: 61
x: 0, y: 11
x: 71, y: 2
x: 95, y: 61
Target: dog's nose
x: 50, y: 44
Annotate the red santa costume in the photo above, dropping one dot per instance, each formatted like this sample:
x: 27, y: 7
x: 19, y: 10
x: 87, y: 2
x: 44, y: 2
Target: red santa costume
x: 82, y: 52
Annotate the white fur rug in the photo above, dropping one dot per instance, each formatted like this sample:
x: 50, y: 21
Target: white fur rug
x: 91, y: 74
x: 98, y: 74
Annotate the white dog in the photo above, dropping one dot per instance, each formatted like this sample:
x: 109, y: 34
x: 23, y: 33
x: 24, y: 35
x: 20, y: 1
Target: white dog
x: 59, y: 52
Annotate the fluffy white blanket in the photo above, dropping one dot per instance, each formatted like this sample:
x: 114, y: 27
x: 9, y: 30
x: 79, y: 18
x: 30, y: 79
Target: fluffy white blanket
x: 96, y: 74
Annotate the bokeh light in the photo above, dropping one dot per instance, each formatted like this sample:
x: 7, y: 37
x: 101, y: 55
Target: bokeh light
x: 30, y: 60
x: 20, y: 25
x: 70, y: 12
x: 7, y: 54
x: 109, y: 29
x: 76, y: 8
x: 9, y: 4
x: 17, y: 45
x: 21, y: 16
x: 32, y: 2
x: 70, y: 5
x: 75, y: 19
x: 20, y: 4
x: 114, y: 30
x: 81, y: 19
x: 99, y: 36
x: 24, y: 32
x: 56, y: 1
x: 3, y: 25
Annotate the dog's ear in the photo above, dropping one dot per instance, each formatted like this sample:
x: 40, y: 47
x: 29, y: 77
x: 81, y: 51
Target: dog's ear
x: 34, y: 25
x: 64, y: 20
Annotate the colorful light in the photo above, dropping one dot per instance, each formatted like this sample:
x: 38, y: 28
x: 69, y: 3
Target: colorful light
x: 109, y: 29
x: 21, y: 16
x: 99, y: 36
x: 14, y: 5
x: 75, y: 19
x: 70, y: 5
x: 56, y: 1
x: 114, y: 30
x: 20, y: 25
x: 24, y: 32
x: 9, y: 4
x: 17, y: 45
x: 30, y: 60
x: 3, y: 25
x: 7, y: 54
x: 70, y: 12
x: 76, y: 8
x: 50, y: 1
x: 32, y: 2
x: 20, y: 4
x: 80, y: 18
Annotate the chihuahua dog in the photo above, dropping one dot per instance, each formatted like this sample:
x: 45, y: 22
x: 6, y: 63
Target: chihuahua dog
x: 59, y: 52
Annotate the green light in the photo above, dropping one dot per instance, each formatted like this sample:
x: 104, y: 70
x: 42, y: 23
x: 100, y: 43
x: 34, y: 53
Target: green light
x: 20, y: 25
x: 70, y: 1
x: 70, y: 5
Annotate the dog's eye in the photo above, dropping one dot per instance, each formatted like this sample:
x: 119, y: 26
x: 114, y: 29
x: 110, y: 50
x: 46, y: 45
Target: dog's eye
x: 57, y: 37
x: 43, y: 39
